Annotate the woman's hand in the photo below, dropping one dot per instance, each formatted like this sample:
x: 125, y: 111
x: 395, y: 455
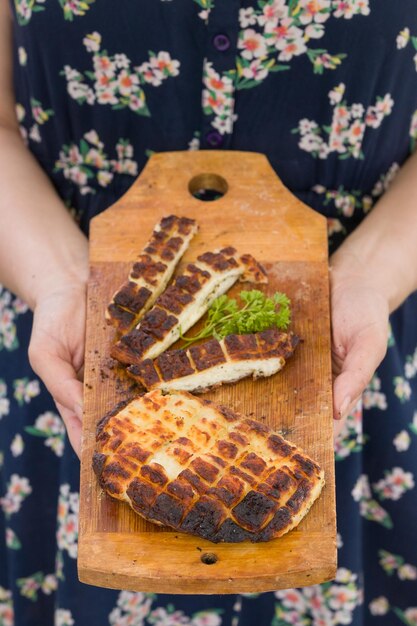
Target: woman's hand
x: 359, y: 314
x: 56, y: 351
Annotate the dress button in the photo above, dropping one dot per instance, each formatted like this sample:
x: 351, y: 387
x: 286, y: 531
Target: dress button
x: 221, y: 42
x: 214, y: 139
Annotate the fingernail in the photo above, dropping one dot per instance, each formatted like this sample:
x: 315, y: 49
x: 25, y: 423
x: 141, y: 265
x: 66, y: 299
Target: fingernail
x: 78, y: 410
x: 344, y: 407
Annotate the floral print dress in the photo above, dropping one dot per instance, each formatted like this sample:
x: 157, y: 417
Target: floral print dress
x: 327, y: 89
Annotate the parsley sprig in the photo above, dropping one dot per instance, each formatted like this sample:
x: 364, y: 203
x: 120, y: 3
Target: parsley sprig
x: 258, y: 313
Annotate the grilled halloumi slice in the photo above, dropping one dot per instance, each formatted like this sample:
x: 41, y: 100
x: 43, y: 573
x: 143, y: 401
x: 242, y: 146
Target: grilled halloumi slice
x: 214, y: 362
x: 201, y: 468
x: 184, y: 302
x: 151, y: 271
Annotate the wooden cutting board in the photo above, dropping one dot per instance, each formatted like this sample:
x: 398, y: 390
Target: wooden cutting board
x: 258, y: 215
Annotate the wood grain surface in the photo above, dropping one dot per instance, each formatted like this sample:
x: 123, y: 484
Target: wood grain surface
x: 258, y: 215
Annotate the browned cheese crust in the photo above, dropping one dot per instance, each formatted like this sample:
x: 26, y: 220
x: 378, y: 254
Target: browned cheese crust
x: 151, y: 271
x: 189, y: 292
x: 203, y: 469
x: 198, y: 361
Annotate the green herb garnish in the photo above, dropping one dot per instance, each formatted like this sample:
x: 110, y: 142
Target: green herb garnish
x: 258, y: 313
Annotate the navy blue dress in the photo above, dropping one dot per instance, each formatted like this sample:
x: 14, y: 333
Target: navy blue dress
x: 327, y: 89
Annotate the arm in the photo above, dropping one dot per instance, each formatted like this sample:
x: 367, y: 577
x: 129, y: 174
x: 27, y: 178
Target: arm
x: 43, y: 255
x: 372, y: 273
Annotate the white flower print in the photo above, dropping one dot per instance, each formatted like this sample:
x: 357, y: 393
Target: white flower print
x: 50, y: 426
x: 206, y: 618
x: 369, y: 507
x: 83, y: 163
x: 413, y: 131
x: 67, y: 534
x: 63, y: 617
x: 314, y: 11
x: 252, y: 44
x: 403, y: 38
x: 247, y: 17
x: 6, y: 607
x: 17, y: 445
x: 10, y: 308
x: 114, y: 81
x: 379, y: 606
x: 346, y: 132
x: 402, y: 388
x: 402, y: 441
x: 410, y: 615
x: 349, y: 8
x: 321, y: 605
x: 350, y: 438
x: 336, y: 95
x: 395, y: 484
x: 31, y: 585
x: 166, y: 617
x: 25, y: 390
x: 22, y: 56
x: 18, y: 489
x: 407, y: 572
x: 217, y: 98
x: 131, y: 608
x: 373, y: 397
x: 4, y: 401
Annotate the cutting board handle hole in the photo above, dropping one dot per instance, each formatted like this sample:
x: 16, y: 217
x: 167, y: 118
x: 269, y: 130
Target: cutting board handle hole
x: 208, y: 187
x: 209, y: 558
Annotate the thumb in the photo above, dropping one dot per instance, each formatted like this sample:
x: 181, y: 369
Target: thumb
x: 363, y: 357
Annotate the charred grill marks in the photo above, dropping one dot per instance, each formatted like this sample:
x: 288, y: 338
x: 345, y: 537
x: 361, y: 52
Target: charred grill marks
x: 221, y: 486
x: 183, y: 303
x: 151, y: 271
x: 262, y: 354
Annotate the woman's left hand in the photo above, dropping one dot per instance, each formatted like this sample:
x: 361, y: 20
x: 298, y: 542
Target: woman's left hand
x: 359, y: 318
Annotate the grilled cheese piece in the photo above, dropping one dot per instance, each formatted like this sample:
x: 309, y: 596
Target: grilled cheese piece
x: 201, y: 468
x: 151, y: 272
x: 213, y: 362
x: 185, y: 302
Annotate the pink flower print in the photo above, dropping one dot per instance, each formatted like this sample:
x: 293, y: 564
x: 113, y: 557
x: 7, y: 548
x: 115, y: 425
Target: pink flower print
x: 255, y: 71
x: 273, y: 10
x: 293, y: 48
x: 148, y: 74
x: 285, y: 37
x: 127, y: 82
x: 163, y: 62
x: 293, y: 599
x: 314, y: 11
x: 356, y: 131
x: 137, y: 102
x: 385, y: 104
x: 348, y: 8
x: 342, y: 597
x: 379, y: 606
x: 106, y: 96
x: 411, y: 616
x: 103, y: 64
x: 334, y: 226
x: 252, y: 44
x: 74, y: 155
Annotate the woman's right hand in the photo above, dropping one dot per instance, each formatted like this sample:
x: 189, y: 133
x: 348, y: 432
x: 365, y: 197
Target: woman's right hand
x: 56, y: 351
